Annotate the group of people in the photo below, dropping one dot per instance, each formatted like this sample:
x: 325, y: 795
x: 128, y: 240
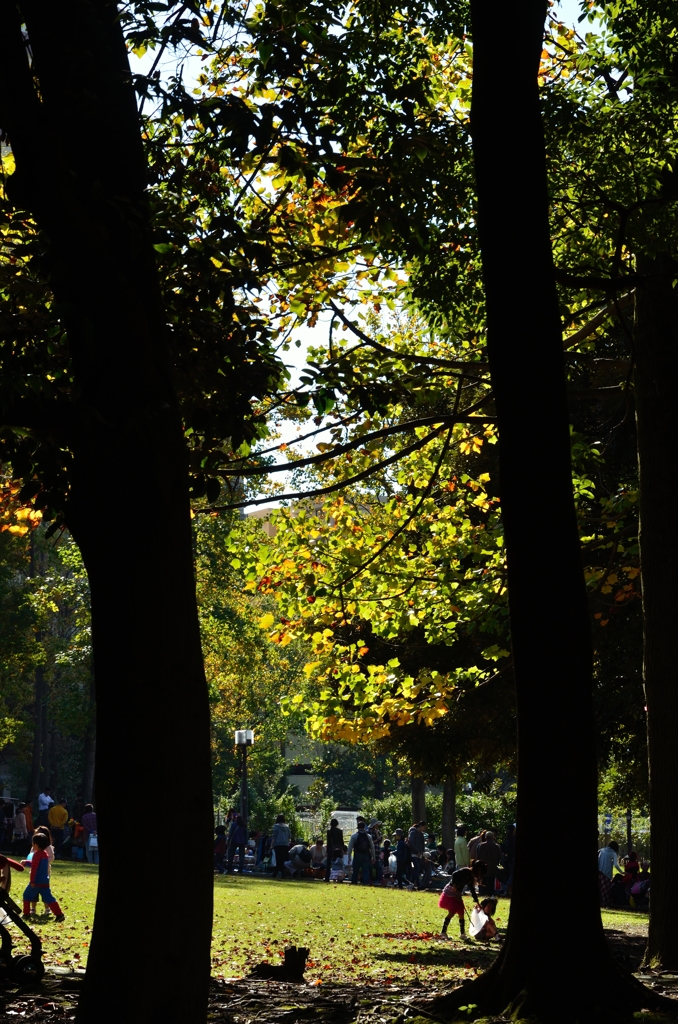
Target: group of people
x: 408, y: 860
x: 624, y: 883
x: 72, y: 833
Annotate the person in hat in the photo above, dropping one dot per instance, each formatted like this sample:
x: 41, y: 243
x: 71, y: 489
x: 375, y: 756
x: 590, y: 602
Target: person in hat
x: 402, y: 855
x: 373, y: 829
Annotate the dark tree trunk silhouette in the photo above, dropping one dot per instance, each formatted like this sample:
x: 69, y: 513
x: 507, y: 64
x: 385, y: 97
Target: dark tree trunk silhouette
x: 550, y: 636
x: 656, y: 355
x: 449, y: 812
x: 418, y: 799
x: 81, y: 171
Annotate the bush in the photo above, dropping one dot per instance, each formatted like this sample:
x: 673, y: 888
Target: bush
x: 264, y: 812
x: 495, y: 812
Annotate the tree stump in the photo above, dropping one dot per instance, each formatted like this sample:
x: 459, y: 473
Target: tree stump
x: 291, y: 970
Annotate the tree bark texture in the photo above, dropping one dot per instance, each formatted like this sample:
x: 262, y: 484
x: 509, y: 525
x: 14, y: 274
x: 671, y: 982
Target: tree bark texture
x: 418, y: 799
x: 550, y: 630
x: 449, y: 812
x: 656, y: 358
x: 81, y: 171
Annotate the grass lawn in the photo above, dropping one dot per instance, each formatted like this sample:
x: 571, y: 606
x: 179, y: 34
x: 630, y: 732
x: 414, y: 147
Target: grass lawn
x: 353, y: 933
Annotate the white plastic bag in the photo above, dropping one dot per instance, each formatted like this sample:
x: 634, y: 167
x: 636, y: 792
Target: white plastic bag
x: 478, y: 922
x: 392, y: 863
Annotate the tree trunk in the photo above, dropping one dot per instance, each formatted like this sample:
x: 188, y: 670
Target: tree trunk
x: 81, y: 171
x: 418, y: 799
x: 89, y: 758
x: 656, y: 365
x: 36, y: 760
x: 550, y: 638
x: 449, y: 812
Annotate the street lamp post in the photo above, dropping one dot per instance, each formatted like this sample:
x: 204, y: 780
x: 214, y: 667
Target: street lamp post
x: 244, y: 738
x: 628, y: 832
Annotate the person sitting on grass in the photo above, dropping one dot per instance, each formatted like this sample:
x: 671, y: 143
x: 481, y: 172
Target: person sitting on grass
x: 38, y: 887
x: 451, y: 897
x: 318, y: 853
x: 489, y: 929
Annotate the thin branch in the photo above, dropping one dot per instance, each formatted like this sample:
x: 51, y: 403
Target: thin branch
x: 357, y: 442
x: 623, y: 302
x: 332, y: 487
x: 449, y: 364
x: 604, y: 284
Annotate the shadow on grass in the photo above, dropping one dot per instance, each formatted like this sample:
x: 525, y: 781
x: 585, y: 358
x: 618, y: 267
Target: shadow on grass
x: 449, y: 957
x: 75, y: 867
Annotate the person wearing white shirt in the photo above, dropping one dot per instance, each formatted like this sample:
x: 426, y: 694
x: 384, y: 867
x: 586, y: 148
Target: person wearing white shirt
x: 45, y: 801
x: 608, y: 859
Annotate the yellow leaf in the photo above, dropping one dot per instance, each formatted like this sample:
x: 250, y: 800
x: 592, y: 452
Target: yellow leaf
x: 266, y: 621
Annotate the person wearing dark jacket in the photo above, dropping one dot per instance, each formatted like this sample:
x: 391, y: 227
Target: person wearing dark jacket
x: 280, y: 841
x: 417, y: 845
x: 489, y: 851
x: 335, y: 846
x: 402, y: 856
x: 237, y: 840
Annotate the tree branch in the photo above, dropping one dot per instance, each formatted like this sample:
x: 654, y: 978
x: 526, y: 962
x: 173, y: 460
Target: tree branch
x: 314, y: 460
x: 341, y: 483
x: 623, y: 302
x: 449, y: 364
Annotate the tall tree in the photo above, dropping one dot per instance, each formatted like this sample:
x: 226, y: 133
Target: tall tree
x: 551, y: 642
x: 85, y: 187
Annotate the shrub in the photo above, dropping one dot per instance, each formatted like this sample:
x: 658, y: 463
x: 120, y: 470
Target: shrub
x: 264, y: 812
x: 480, y: 810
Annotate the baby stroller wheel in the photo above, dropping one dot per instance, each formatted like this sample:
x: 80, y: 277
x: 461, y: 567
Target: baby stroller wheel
x: 27, y: 968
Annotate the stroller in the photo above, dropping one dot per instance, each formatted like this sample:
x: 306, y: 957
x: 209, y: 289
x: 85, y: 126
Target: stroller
x: 21, y: 969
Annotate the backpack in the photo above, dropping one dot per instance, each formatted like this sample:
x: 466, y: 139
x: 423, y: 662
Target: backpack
x: 362, y: 843
x: 306, y: 856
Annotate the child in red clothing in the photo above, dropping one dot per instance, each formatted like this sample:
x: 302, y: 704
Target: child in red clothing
x: 451, y: 896
x: 39, y: 883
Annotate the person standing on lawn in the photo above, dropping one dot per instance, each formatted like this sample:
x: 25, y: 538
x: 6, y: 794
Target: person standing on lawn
x: 335, y: 846
x: 474, y: 844
x: 38, y: 887
x: 362, y: 848
x: 402, y: 856
x: 417, y: 845
x: 237, y: 840
x: 219, y: 849
x: 489, y: 852
x: 28, y: 813
x: 280, y: 841
x: 608, y: 859
x: 57, y: 816
x: 462, y: 857
x: 45, y: 801
x: 89, y: 824
x: 20, y: 839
